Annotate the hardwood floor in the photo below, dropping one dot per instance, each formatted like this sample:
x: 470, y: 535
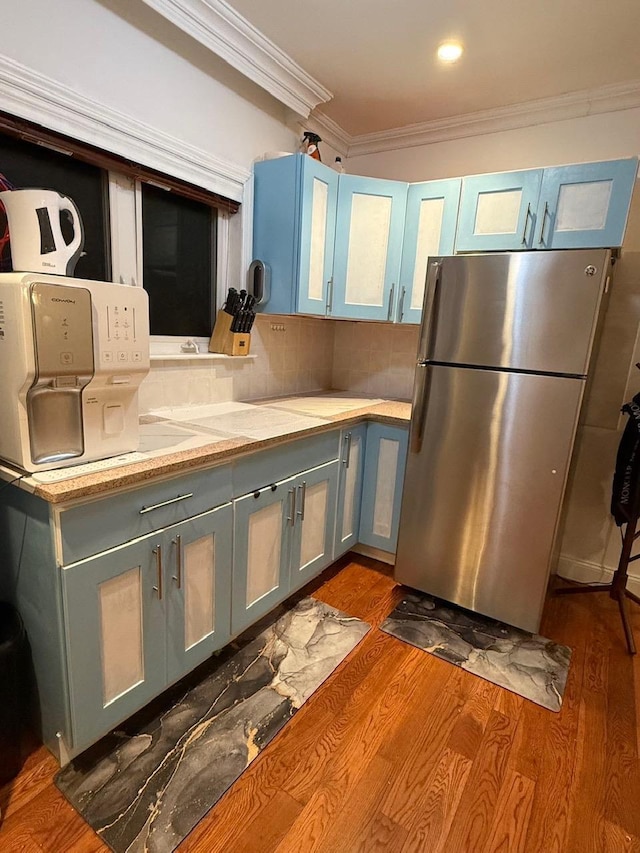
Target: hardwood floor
x: 399, y: 751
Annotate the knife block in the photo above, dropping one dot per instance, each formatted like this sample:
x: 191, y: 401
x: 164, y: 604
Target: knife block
x: 225, y: 341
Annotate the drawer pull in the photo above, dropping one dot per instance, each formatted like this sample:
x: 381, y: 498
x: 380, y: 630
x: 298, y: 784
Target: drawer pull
x: 165, y: 503
x: 177, y: 541
x: 158, y: 552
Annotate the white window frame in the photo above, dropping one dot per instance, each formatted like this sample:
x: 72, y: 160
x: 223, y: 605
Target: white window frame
x: 125, y: 216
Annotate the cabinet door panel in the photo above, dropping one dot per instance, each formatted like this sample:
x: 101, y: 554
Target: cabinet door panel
x: 317, y: 233
x: 313, y: 533
x: 585, y: 205
x: 350, y: 490
x: 368, y: 246
x: 382, y: 486
x: 430, y: 229
x: 261, y: 552
x: 115, y: 636
x: 198, y: 589
x: 497, y: 212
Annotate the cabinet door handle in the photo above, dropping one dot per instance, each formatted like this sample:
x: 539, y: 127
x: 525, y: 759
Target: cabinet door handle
x: 165, y: 503
x: 526, y: 222
x: 303, y: 500
x: 158, y: 552
x: 544, y: 222
x: 329, y: 303
x: 401, y: 304
x: 390, y: 308
x: 347, y: 457
x: 178, y: 543
x: 291, y: 518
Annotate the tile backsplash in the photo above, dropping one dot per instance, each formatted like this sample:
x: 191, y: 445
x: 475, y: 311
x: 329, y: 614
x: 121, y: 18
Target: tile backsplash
x: 292, y: 355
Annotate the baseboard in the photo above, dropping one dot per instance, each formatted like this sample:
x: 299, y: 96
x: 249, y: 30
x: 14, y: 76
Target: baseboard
x: 585, y: 572
x: 375, y: 554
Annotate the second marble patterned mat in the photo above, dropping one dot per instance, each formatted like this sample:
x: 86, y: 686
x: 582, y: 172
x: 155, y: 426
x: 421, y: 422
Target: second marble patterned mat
x: 526, y: 664
x: 155, y: 783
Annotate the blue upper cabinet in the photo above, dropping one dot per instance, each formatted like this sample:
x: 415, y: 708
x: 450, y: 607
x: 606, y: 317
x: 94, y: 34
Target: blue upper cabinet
x: 498, y: 212
x: 566, y: 207
x: 295, y: 201
x: 368, y: 248
x: 430, y: 229
x: 585, y: 206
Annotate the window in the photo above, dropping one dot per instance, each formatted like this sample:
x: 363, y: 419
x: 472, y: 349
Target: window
x: 179, y: 262
x: 26, y: 164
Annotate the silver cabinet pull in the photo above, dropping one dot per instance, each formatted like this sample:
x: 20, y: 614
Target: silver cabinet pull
x: 291, y: 518
x: 165, y: 503
x: 158, y: 552
x: 526, y: 222
x: 329, y: 303
x: 401, y: 304
x: 347, y: 458
x: 303, y: 500
x: 390, y: 308
x: 544, y: 222
x: 178, y: 543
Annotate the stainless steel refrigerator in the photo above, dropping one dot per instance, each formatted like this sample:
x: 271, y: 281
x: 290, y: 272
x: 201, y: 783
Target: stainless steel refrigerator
x: 503, y: 355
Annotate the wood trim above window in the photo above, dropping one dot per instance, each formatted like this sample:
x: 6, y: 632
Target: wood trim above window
x: 35, y: 133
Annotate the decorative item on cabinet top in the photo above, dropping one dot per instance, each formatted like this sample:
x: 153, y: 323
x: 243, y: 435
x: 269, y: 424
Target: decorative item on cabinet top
x: 354, y: 247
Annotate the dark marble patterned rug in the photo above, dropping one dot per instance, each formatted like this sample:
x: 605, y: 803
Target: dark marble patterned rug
x: 526, y: 664
x: 154, y: 783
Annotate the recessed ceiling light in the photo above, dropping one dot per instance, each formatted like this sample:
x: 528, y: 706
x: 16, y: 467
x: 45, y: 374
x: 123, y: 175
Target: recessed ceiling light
x: 449, y: 51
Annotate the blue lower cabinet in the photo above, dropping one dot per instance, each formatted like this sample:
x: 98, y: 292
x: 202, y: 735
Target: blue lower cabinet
x: 312, y: 545
x: 262, y: 521
x: 350, y: 489
x: 198, y: 589
x: 382, y: 486
x: 139, y: 617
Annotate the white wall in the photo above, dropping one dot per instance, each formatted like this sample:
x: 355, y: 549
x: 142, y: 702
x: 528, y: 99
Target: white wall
x: 599, y: 137
x: 126, y: 56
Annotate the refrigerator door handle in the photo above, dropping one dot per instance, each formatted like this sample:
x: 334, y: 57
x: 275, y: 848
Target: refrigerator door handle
x: 429, y: 311
x: 419, y: 408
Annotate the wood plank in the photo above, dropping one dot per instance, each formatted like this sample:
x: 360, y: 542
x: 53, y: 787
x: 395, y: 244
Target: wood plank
x: 474, y: 817
x: 512, y: 816
x: 435, y: 810
x: 468, y: 731
x: 618, y: 840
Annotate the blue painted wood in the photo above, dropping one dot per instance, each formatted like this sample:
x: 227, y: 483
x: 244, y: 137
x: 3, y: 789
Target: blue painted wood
x: 619, y: 175
x: 97, y: 525
x: 528, y: 182
x: 375, y: 434
x: 349, y: 187
x: 351, y: 439
x: 81, y: 583
x: 449, y: 192
x: 218, y: 524
x: 282, y: 206
x: 314, y: 173
x: 244, y: 614
x: 301, y: 572
x: 269, y: 466
x: 30, y: 581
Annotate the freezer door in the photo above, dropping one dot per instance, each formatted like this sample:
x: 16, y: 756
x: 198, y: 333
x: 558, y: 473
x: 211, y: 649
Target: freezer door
x: 483, y: 487
x: 524, y: 311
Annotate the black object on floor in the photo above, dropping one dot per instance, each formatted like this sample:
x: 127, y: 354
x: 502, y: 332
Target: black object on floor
x: 157, y: 780
x: 527, y: 664
x: 12, y: 642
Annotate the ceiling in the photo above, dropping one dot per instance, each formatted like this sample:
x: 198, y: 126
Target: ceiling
x: 377, y: 57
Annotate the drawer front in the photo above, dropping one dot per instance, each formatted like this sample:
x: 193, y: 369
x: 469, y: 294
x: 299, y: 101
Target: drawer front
x: 269, y: 466
x: 96, y: 526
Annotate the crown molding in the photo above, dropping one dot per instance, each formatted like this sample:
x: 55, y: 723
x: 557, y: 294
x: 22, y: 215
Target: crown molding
x: 226, y: 33
x: 622, y: 96
x: 329, y: 132
x: 28, y: 94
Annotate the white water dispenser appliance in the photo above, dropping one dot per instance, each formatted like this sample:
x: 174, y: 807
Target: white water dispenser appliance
x: 73, y: 354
